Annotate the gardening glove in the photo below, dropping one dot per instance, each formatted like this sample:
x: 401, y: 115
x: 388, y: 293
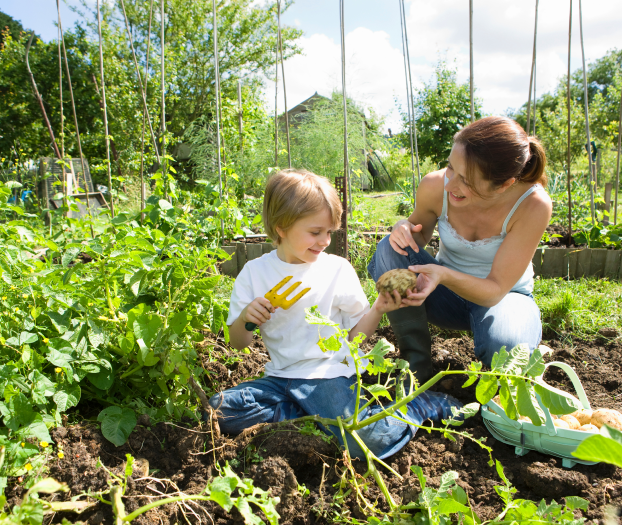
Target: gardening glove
x: 434, y: 406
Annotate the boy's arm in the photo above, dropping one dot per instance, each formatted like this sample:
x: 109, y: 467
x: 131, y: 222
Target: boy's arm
x: 369, y: 322
x: 257, y: 312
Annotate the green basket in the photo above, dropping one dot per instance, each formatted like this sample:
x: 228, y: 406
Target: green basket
x: 547, y: 438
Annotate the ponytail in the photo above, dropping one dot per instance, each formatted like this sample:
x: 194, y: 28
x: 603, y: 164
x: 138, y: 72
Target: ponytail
x: 533, y: 172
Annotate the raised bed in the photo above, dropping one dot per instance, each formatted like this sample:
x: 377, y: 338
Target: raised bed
x: 572, y: 263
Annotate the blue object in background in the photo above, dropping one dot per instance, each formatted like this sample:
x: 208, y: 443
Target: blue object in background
x: 26, y: 195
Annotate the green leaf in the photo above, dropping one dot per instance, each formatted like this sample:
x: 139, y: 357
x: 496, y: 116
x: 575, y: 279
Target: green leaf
x: 575, y: 502
x: 70, y: 254
x: 450, y: 506
x: 526, y: 402
x: 314, y: 316
x: 67, y: 398
x: 330, y: 344
x: 557, y: 401
x: 117, y: 424
x: 535, y: 366
x: 486, y: 389
x: 420, y: 475
x: 448, y: 479
x: 26, y: 338
x: 103, y: 379
x: 179, y: 321
x: 377, y: 391
x: 507, y: 399
x: 605, y: 447
x: 517, y: 359
x: 146, y: 327
x: 164, y: 204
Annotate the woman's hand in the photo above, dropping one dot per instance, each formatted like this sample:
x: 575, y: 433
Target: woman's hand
x: 428, y: 278
x: 402, y: 236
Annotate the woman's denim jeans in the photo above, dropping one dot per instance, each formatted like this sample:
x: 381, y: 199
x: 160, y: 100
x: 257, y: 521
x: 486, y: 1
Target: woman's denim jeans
x: 514, y: 320
x: 273, y: 399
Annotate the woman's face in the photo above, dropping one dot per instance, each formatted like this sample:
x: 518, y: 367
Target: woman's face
x: 459, y: 192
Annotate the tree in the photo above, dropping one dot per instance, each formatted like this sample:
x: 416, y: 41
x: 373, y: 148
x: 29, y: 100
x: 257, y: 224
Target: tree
x: 8, y: 23
x: 442, y: 108
x: 246, y: 42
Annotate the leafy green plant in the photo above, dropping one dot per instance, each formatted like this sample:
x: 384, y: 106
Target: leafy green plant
x: 515, y: 374
x: 605, y: 447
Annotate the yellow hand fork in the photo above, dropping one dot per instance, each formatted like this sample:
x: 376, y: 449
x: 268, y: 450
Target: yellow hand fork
x: 281, y: 300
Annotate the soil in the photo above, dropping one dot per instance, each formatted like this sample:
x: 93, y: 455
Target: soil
x: 278, y: 458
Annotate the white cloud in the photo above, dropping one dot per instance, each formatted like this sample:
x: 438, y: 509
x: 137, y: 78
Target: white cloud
x: 503, y: 40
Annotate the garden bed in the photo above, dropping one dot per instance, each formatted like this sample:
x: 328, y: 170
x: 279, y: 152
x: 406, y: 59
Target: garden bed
x: 281, y: 459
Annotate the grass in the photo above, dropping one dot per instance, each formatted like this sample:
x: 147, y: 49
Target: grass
x: 377, y: 210
x: 579, y: 307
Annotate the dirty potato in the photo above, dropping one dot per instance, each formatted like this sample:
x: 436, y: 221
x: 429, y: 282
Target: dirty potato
x: 589, y: 428
x: 561, y: 423
x: 607, y: 416
x: 573, y: 422
x: 400, y: 280
x: 583, y: 415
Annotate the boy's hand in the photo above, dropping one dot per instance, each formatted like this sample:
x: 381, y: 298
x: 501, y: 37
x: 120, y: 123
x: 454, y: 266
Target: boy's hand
x: 258, y: 311
x: 387, y: 302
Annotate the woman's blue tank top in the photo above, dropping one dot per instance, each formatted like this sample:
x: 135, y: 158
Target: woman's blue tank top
x: 475, y: 257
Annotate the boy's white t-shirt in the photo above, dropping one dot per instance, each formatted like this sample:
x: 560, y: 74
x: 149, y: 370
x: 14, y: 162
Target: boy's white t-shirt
x: 290, y: 340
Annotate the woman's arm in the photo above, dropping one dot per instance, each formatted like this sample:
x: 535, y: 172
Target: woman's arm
x: 418, y: 229
x: 514, y: 255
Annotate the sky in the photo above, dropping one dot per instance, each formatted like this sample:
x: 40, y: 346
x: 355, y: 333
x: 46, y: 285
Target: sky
x: 439, y: 29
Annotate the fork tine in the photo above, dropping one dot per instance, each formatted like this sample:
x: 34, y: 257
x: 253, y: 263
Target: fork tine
x: 289, y: 290
x: 290, y: 302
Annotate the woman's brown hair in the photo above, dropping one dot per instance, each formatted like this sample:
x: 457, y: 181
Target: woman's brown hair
x: 501, y: 149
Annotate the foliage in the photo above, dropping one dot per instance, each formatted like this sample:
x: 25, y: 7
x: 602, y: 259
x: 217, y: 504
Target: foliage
x: 113, y: 319
x: 247, y: 36
x: 516, y: 374
x: 606, y: 447
x: 442, y: 108
x: 580, y: 307
x: 220, y: 490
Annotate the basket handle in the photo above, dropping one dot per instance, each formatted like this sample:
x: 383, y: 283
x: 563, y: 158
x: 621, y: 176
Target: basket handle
x: 576, y: 382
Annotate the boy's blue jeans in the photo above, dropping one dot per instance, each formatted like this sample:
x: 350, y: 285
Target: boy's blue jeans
x: 274, y: 399
x: 514, y: 320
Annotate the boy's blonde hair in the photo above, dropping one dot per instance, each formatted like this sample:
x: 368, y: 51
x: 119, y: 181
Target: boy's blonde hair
x: 292, y: 194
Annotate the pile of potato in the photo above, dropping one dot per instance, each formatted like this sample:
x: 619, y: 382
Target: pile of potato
x: 584, y: 420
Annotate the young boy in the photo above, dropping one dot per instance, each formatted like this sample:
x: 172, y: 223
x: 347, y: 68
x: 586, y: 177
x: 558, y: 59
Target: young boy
x: 300, y: 211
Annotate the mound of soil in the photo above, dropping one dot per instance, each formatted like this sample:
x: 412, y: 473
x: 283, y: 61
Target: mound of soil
x: 179, y: 457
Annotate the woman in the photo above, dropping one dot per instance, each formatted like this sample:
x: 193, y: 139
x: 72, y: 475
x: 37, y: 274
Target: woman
x: 491, y: 210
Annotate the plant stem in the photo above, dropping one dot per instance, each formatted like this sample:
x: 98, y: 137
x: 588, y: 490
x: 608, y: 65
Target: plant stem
x: 161, y: 502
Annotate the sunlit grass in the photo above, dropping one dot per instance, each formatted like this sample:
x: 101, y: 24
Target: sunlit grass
x: 579, y: 307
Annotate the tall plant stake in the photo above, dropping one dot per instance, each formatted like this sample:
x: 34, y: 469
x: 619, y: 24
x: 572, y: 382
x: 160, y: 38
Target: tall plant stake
x: 615, y: 210
x: 568, y: 106
x: 276, y: 104
x: 409, y: 90
x: 217, y: 75
x: 587, y: 118
x: 107, y: 131
x: 62, y: 126
x: 142, y: 138
x: 162, y: 78
x: 471, y: 87
x: 346, y: 160
x: 289, y: 154
x: 140, y: 81
x: 533, y: 69
x: 75, y: 120
x: 40, y: 100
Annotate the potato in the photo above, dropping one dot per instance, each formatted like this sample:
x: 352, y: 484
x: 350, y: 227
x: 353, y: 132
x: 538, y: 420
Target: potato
x: 400, y: 280
x: 607, y: 416
x: 573, y: 422
x: 561, y: 423
x: 589, y: 428
x: 583, y: 415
